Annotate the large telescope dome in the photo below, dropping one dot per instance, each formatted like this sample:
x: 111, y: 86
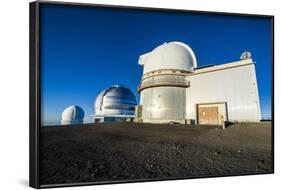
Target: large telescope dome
x: 172, y: 55
x: 115, y: 101
x: 72, y: 115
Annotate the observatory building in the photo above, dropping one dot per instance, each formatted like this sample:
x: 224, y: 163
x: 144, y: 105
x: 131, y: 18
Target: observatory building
x: 72, y: 115
x: 116, y: 103
x: 174, y: 89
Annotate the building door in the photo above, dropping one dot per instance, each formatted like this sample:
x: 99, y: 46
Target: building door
x: 208, y: 115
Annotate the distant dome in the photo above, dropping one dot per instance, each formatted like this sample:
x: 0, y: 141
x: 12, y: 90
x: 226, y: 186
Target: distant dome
x: 172, y: 55
x: 72, y: 115
x: 115, y: 100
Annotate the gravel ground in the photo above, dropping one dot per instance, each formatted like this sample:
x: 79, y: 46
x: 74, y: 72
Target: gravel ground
x: 130, y: 151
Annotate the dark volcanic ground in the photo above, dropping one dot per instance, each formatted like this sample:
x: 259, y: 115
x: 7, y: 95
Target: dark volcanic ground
x: 128, y: 151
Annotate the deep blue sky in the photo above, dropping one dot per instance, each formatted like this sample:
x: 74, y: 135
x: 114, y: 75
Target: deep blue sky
x: 87, y: 49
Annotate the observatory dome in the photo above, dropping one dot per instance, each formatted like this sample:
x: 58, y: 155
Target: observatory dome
x: 172, y: 55
x: 115, y: 100
x: 72, y: 115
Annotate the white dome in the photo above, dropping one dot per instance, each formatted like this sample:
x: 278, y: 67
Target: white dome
x: 72, y: 115
x: 115, y: 100
x: 173, y: 55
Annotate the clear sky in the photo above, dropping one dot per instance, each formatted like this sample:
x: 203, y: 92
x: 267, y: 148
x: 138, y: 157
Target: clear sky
x: 87, y: 49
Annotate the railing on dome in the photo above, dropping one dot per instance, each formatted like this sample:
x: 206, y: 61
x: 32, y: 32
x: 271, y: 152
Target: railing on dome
x: 163, y: 82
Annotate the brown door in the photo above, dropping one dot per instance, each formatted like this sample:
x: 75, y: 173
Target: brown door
x: 208, y: 115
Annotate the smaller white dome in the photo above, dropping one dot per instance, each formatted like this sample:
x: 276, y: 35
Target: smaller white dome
x: 172, y: 55
x: 72, y: 115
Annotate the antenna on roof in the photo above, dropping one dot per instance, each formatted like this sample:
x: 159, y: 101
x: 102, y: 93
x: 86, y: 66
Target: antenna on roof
x: 246, y: 55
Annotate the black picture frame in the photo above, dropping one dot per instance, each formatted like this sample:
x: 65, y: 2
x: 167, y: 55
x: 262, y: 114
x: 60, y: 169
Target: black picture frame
x: 34, y: 91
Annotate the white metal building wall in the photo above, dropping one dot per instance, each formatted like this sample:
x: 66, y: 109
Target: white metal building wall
x: 163, y: 104
x: 237, y: 86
